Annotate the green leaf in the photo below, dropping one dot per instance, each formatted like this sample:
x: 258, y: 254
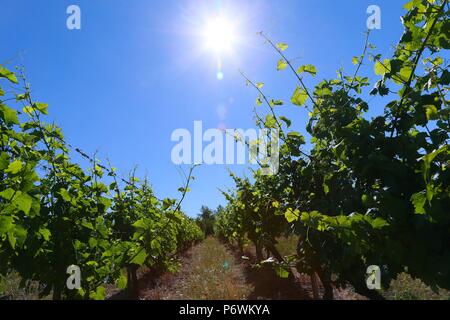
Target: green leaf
x: 326, y: 188
x: 282, y: 46
x: 281, y: 272
x: 8, y: 194
x: 8, y: 115
x: 23, y: 202
x: 140, y: 224
x: 140, y: 257
x: 42, y: 107
x: 92, y: 242
x: 282, y: 64
x: 14, y: 167
x: 154, y: 244
x: 28, y: 110
x: 382, y: 68
x: 6, y: 223
x: 12, y: 239
x: 405, y: 73
x: 286, y: 120
x: 113, y: 186
x: 259, y: 85
x: 270, y: 121
x: 409, y: 5
x: 309, y: 68
x: 122, y: 281
x: 431, y: 112
x: 65, y: 195
x: 299, y: 97
x: 276, y: 102
x: 87, y: 224
x: 427, y: 159
x: 355, y: 60
x: 4, y: 161
x: 379, y: 223
x: 429, y: 191
x: 418, y: 200
x: 45, y: 233
x: 99, y: 294
x: 5, y: 73
x: 167, y: 203
x: 322, y: 92
x: 20, y: 97
x: 291, y: 215
x: 184, y: 190
x: 297, y: 136
x: 18, y: 236
x: 365, y: 200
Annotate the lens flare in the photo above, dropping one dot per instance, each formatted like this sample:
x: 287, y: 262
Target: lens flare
x: 219, y: 35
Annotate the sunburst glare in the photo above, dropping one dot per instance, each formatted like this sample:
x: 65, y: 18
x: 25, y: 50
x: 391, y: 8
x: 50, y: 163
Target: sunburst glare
x: 219, y: 35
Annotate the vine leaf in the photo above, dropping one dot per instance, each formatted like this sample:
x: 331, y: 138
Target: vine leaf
x: 282, y: 46
x: 282, y: 64
x: 309, y: 68
x: 299, y: 97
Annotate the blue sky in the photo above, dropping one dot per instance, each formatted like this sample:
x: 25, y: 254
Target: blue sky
x: 137, y: 70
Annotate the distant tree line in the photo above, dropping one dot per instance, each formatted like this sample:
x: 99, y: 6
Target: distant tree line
x: 207, y: 218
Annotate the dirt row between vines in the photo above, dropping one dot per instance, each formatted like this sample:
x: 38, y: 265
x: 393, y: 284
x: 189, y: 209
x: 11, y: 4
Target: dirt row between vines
x: 211, y: 271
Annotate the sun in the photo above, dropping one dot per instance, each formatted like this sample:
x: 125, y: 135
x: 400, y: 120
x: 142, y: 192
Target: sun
x: 219, y: 34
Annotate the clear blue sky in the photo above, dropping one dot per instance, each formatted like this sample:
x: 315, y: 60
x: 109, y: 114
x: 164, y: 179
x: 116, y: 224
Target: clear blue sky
x: 136, y: 71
